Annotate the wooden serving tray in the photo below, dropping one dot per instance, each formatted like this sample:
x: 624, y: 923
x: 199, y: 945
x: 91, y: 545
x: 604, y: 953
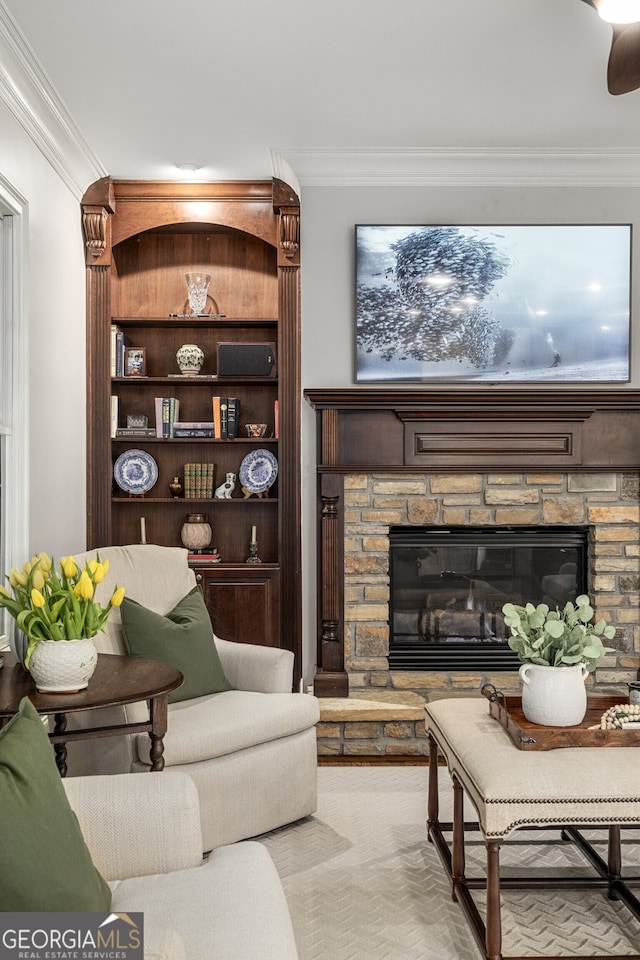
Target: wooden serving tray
x: 531, y: 736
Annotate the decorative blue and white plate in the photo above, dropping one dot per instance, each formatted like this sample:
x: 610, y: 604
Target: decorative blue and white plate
x: 258, y: 471
x: 135, y: 471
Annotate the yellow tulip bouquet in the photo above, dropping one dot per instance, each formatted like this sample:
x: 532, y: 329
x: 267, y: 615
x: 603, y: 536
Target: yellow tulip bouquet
x: 57, y: 605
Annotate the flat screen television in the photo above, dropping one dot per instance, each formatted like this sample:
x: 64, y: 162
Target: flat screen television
x: 497, y: 303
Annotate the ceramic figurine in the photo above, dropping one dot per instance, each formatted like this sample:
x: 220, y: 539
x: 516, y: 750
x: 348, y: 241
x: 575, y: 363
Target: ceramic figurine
x: 224, y: 491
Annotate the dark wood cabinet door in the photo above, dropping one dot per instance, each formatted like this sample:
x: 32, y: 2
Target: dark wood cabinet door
x: 243, y: 602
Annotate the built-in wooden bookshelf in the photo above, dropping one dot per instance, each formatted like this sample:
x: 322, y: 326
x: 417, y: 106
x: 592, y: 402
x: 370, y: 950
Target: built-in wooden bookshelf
x: 141, y: 239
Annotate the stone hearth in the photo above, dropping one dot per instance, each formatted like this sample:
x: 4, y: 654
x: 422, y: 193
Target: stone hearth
x: 607, y: 503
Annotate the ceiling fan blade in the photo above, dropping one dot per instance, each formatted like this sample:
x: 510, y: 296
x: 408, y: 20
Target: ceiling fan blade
x: 623, y: 70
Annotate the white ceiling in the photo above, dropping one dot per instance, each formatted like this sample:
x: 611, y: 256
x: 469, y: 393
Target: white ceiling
x: 236, y: 86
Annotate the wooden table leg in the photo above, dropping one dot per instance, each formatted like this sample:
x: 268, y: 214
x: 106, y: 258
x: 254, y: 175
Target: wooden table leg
x: 494, y: 920
x: 433, y: 808
x: 60, y: 749
x: 457, y: 843
x: 614, y: 859
x: 158, y: 715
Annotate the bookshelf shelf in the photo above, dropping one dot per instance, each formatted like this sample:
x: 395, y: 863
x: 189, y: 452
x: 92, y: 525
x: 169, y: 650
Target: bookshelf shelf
x: 142, y: 237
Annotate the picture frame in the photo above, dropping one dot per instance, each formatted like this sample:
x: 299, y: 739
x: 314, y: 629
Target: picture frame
x: 135, y: 362
x: 531, y: 303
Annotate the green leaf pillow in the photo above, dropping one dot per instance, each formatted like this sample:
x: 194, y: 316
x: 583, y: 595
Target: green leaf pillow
x: 184, y: 639
x: 44, y: 861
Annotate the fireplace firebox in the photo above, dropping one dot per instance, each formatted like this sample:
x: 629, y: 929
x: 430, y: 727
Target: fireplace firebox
x: 449, y: 584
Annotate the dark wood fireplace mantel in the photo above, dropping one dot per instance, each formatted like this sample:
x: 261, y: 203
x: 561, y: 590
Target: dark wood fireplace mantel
x: 444, y: 430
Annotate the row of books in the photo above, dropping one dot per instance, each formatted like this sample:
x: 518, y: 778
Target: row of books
x: 225, y: 424
x: 198, y: 481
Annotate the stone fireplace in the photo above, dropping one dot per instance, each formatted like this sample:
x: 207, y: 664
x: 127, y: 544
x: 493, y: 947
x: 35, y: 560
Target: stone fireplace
x: 605, y: 505
x: 531, y: 459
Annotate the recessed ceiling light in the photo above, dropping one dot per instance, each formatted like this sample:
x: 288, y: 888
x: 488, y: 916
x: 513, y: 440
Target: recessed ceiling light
x: 188, y: 167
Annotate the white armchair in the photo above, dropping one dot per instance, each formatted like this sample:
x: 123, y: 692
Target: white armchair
x: 144, y: 837
x: 251, y: 751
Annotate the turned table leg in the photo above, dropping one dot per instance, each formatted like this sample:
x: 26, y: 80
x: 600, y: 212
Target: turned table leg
x: 60, y: 749
x: 158, y: 714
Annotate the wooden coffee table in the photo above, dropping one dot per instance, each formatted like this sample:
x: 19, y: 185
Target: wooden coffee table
x: 571, y: 788
x: 117, y: 680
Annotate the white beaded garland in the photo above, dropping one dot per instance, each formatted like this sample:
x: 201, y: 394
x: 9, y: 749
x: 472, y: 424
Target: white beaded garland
x: 623, y: 714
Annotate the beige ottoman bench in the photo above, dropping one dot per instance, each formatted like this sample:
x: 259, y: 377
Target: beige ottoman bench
x: 513, y: 789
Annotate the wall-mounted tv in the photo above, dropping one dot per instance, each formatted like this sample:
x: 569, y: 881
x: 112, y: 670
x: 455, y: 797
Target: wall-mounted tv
x: 496, y: 303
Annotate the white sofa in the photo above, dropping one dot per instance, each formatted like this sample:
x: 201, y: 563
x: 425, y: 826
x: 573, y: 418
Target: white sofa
x: 251, y: 751
x: 144, y: 837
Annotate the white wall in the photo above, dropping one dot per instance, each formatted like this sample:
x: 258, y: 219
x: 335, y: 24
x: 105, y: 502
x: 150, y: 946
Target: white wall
x: 56, y: 317
x: 328, y: 216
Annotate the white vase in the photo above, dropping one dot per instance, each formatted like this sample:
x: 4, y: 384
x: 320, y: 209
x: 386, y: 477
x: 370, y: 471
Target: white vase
x: 63, y: 666
x: 554, y: 696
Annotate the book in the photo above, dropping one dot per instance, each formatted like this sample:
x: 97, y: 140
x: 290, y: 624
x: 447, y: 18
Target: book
x: 122, y: 342
x: 188, y: 481
x: 170, y: 412
x: 191, y: 433
x: 193, y: 425
x: 165, y: 417
x: 113, y: 349
x: 115, y: 410
x: 174, y: 413
x: 276, y: 419
x: 224, y: 418
x: 211, y: 470
x: 135, y: 432
x: 233, y: 417
x: 158, y: 409
x: 215, y: 406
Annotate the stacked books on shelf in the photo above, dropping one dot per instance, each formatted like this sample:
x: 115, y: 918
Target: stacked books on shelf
x: 226, y: 417
x: 189, y: 429
x: 198, y: 481
x: 167, y: 412
x: 208, y: 556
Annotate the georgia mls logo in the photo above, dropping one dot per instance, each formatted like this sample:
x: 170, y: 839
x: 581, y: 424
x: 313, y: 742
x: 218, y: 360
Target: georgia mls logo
x: 71, y: 936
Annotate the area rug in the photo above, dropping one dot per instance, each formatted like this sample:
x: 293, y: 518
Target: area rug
x: 363, y: 882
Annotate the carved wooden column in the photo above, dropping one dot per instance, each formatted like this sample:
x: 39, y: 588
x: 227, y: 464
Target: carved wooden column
x: 331, y: 679
x: 289, y: 376
x: 98, y: 205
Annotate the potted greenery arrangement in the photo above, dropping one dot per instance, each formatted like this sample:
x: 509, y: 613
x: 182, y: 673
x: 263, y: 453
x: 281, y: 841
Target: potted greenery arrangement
x: 57, y: 614
x: 558, y: 649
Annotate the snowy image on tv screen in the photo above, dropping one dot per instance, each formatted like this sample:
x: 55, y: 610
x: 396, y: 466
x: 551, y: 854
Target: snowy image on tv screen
x: 500, y: 303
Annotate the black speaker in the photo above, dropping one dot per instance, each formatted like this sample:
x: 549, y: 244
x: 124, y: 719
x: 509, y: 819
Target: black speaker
x: 246, y: 359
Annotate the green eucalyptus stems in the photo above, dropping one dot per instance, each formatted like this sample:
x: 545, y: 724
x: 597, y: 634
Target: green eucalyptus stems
x: 57, y: 605
x: 557, y: 638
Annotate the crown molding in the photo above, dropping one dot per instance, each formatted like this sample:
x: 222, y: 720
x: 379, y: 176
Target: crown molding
x: 475, y: 166
x: 28, y: 94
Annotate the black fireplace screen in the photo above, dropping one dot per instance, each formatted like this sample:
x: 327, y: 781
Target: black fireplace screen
x: 449, y: 584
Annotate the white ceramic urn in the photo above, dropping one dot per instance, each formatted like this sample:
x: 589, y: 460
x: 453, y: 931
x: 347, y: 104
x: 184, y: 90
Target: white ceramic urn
x: 554, y: 696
